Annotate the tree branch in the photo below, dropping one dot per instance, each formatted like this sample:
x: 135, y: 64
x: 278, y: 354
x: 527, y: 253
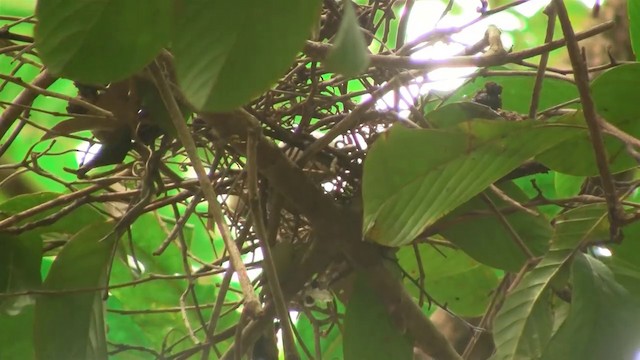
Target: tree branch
x: 595, y: 132
x: 336, y: 229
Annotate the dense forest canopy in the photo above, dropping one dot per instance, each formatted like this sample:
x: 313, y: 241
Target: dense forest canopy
x: 382, y: 179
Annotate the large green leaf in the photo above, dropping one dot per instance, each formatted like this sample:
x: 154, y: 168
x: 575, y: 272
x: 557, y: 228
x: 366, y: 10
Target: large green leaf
x: 451, y: 277
x: 604, y: 320
x: 249, y: 44
x: 99, y: 41
x: 633, y: 9
x: 524, y: 324
x: 67, y: 324
x: 476, y: 229
x: 368, y: 330
x: 619, y: 106
x: 412, y: 178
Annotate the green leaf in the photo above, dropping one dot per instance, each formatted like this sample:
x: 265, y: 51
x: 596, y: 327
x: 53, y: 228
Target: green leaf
x: 368, y: 330
x: 412, y: 178
x: 67, y: 325
x: 451, y: 277
x: 633, y: 10
x: 619, y: 106
x: 612, y: 97
x: 524, y: 323
x: 20, y: 258
x: 349, y: 55
x: 101, y: 41
x: 625, y: 262
x: 476, y: 229
x: 604, y: 320
x: 580, y: 226
x: 567, y: 185
x: 249, y: 45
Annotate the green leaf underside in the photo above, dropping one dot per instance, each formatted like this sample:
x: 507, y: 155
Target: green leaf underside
x: 349, y: 55
x: 368, y: 329
x: 523, y: 325
x: 244, y: 40
x: 101, y: 41
x: 604, y: 320
x: 415, y: 177
x: 451, y: 277
x: 486, y: 239
x: 619, y: 106
x: 80, y: 264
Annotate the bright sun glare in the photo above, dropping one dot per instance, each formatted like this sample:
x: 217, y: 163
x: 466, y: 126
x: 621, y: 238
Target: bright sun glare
x: 425, y: 16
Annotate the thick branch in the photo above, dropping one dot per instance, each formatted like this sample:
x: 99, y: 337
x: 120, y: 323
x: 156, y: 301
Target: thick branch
x: 318, y: 51
x: 595, y: 132
x: 26, y: 97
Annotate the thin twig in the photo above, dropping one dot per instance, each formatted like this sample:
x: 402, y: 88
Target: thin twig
x: 544, y: 59
x: 215, y: 314
x: 507, y: 225
x: 251, y: 300
x: 60, y: 200
x: 179, y: 224
x: 506, y: 198
x: 288, y: 339
x: 25, y: 98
